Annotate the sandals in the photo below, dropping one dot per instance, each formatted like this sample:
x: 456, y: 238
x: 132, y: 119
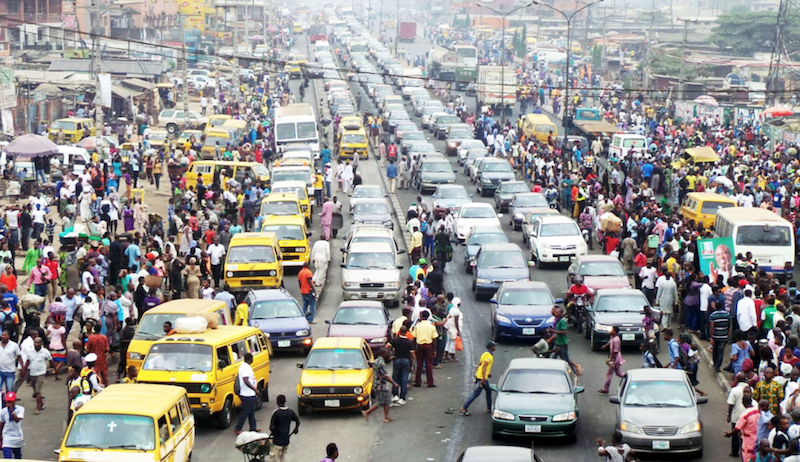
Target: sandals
x: 464, y: 413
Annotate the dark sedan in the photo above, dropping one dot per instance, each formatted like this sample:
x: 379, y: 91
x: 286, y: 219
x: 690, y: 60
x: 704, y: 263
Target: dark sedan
x: 620, y: 308
x: 360, y: 318
x: 448, y: 198
x: 496, y: 264
x: 522, y: 311
x: 478, y: 236
x: 506, y: 190
x: 521, y: 204
x: 280, y: 317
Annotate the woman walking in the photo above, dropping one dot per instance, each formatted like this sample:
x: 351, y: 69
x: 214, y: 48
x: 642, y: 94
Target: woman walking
x: 192, y: 273
x: 614, y: 361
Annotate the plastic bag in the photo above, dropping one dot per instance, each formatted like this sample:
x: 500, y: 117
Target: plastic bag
x: 459, y: 344
x: 191, y: 325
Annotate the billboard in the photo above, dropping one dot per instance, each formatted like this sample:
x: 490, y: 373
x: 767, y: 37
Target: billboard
x: 716, y: 257
x: 8, y: 89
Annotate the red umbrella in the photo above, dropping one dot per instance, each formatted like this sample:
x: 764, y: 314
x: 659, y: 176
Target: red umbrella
x: 777, y: 111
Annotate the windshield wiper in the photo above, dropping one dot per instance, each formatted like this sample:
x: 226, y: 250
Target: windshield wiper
x: 503, y: 266
x: 86, y: 445
x: 320, y: 368
x: 127, y: 446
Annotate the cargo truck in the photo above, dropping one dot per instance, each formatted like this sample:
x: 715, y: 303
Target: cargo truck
x: 497, y: 87
x: 408, y: 31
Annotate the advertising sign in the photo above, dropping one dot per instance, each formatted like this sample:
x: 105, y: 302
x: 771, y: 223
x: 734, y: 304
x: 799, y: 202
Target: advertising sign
x: 716, y: 257
x: 8, y: 89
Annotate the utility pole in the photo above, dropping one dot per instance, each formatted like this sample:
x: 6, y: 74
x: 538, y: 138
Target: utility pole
x: 681, y: 83
x: 183, y: 65
x: 235, y: 55
x: 397, y: 29
x: 646, y: 69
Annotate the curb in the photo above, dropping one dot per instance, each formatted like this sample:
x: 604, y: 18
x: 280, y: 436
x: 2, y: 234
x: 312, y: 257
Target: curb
x: 703, y: 351
x: 397, y: 209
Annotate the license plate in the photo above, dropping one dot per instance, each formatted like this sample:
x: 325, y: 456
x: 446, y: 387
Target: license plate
x: 628, y: 337
x: 661, y: 445
x: 528, y: 331
x: 563, y: 258
x: 372, y: 295
x: 533, y: 428
x: 284, y: 343
x: 332, y: 403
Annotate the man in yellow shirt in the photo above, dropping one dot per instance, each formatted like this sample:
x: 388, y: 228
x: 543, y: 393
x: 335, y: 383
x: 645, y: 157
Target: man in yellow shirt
x: 416, y: 244
x: 426, y: 336
x: 240, y: 316
x: 482, y: 379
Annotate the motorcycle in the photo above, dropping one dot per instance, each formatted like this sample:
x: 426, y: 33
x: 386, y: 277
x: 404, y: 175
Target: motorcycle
x: 576, y: 314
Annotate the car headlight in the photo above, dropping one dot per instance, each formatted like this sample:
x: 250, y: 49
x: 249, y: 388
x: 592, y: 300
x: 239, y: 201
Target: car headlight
x: 379, y: 340
x: 205, y: 388
x: 483, y: 281
x: 629, y: 427
x: 350, y: 284
x: 273, y: 273
x: 550, y: 320
x: 486, y: 181
x: 692, y: 427
x: 301, y: 333
x: 392, y: 285
x: 519, y: 216
x: 502, y: 415
x: 229, y: 274
x: 358, y: 390
x: 266, y: 334
x: 306, y: 391
x: 452, y: 145
x: 300, y: 249
x: 135, y: 356
x: 503, y: 319
x: 603, y: 328
x: 544, y: 245
x: 565, y: 416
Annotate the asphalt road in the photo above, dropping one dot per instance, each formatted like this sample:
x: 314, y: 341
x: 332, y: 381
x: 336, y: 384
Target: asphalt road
x: 428, y: 428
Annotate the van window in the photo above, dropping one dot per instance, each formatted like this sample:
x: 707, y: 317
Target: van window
x: 238, y: 350
x: 163, y: 429
x: 252, y: 343
x: 223, y: 357
x: 174, y: 419
x: 222, y: 319
x: 240, y: 171
x: 711, y: 207
x: 185, y: 413
x: 543, y: 128
x: 263, y: 341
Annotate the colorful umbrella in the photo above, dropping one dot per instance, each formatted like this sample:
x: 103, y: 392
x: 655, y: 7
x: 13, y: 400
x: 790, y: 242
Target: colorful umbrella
x: 777, y: 111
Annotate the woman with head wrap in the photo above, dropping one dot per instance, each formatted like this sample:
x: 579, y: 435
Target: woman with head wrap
x: 192, y: 274
x: 127, y: 217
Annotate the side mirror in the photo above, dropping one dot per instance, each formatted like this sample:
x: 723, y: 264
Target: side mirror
x: 400, y: 266
x: 702, y: 399
x: 559, y: 301
x: 327, y: 321
x: 493, y: 387
x: 579, y: 389
x: 299, y: 365
x: 614, y: 400
x: 401, y: 251
x: 308, y: 234
x: 343, y: 265
x: 499, y: 215
x: 342, y: 249
x: 492, y: 300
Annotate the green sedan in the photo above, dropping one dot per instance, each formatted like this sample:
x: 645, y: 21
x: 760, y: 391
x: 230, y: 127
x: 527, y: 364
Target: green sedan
x: 536, y: 397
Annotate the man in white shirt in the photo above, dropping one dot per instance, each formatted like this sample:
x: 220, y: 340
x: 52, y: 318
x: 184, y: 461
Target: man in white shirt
x: 247, y: 393
x: 705, y: 292
x: 36, y: 366
x: 215, y: 252
x: 746, y: 312
x: 648, y: 276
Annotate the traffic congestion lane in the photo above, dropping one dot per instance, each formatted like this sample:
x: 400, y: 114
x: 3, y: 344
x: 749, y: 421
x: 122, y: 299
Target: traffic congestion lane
x: 597, y: 414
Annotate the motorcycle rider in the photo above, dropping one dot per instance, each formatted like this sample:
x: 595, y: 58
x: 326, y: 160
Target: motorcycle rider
x: 551, y: 194
x: 578, y: 290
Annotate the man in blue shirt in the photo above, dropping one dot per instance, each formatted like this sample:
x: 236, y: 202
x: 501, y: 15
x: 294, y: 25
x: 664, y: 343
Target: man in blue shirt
x: 391, y: 174
x: 9, y: 297
x: 133, y: 254
x: 674, y: 350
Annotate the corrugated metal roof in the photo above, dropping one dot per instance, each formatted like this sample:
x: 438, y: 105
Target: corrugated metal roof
x: 128, y: 68
x: 124, y: 92
x: 139, y: 83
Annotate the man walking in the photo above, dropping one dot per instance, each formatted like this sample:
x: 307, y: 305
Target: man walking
x: 280, y: 428
x: 426, y: 336
x: 11, y: 427
x: 482, y: 380
x: 9, y: 355
x: 36, y: 365
x: 381, y: 386
x: 215, y: 253
x: 391, y: 174
x: 559, y: 338
x: 614, y: 360
x: 247, y: 393
x: 719, y: 324
x: 306, y: 280
x: 40, y: 278
x: 403, y: 352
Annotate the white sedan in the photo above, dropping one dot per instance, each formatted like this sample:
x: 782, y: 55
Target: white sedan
x: 555, y: 239
x: 474, y: 214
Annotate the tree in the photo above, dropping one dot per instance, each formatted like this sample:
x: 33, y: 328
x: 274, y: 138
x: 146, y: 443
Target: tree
x: 597, y: 58
x: 669, y: 62
x: 743, y: 34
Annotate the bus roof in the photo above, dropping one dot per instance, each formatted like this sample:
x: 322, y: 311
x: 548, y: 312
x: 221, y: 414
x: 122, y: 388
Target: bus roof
x: 751, y: 215
x: 134, y: 399
x: 184, y: 306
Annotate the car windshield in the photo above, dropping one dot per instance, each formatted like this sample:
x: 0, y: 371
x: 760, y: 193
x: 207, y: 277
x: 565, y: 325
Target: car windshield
x: 437, y: 167
x: 286, y: 232
x: 151, y: 326
x: 634, y: 302
x: 776, y: 236
x: 536, y: 381
x: 331, y: 359
x: 478, y: 153
x: 290, y: 175
x: 280, y: 208
x: 496, y: 167
x: 658, y: 394
x: 112, y: 431
x: 359, y: 315
x: 250, y: 254
x: 275, y: 309
x: 477, y: 212
x: 179, y: 357
x: 372, y: 260
x: 452, y: 193
x: 371, y: 209
x: 601, y: 269
x: 158, y: 136
x: 502, y: 259
x: 459, y: 134
x: 300, y: 191
x: 355, y: 138
x: 448, y: 119
x: 213, y: 140
x: 560, y: 229
x: 470, y: 144
x: 306, y: 130
x: 533, y: 200
x: 63, y: 125
x: 367, y: 192
x: 413, y: 136
x: 526, y: 297
x: 486, y: 238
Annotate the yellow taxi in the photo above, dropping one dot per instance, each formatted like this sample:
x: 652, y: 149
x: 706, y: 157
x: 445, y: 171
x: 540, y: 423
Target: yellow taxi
x: 336, y: 375
x: 159, y: 138
x: 281, y: 204
x: 298, y: 188
x: 292, y: 238
x: 218, y: 137
x: 539, y: 126
x: 210, y: 171
x: 206, y: 366
x: 127, y: 422
x: 238, y: 126
x: 74, y: 129
x: 216, y: 120
x: 187, y: 135
x: 703, y: 207
x: 253, y: 262
x: 354, y: 142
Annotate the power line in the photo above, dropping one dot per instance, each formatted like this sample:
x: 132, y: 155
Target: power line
x: 280, y: 63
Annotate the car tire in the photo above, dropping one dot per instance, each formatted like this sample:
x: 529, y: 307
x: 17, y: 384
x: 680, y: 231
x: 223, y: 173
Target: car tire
x: 495, y: 335
x: 301, y: 410
x: 225, y: 416
x: 259, y: 397
x: 172, y: 129
x: 586, y: 329
x: 595, y: 346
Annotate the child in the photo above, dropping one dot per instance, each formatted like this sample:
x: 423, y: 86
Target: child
x: 51, y: 229
x: 131, y: 377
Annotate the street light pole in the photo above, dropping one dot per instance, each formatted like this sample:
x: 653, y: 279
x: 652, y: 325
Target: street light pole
x: 569, y: 18
x: 503, y: 56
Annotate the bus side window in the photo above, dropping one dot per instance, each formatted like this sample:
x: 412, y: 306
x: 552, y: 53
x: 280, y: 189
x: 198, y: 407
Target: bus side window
x: 252, y: 343
x: 223, y: 357
x: 185, y: 412
x: 163, y: 429
x: 174, y: 419
x: 238, y: 350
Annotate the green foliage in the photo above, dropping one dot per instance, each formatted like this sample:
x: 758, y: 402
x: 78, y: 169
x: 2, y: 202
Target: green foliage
x: 668, y: 62
x: 597, y: 57
x: 743, y: 34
